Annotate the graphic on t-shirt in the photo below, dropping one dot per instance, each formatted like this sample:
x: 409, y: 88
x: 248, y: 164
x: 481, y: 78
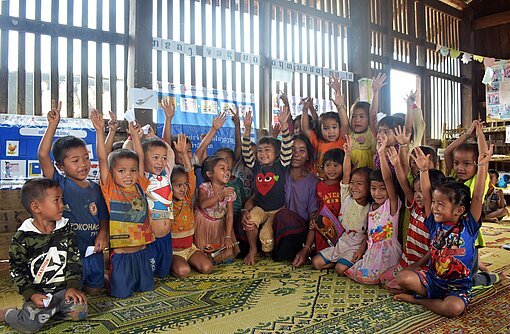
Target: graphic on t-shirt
x: 49, y: 266
x: 265, y: 182
x: 445, y: 246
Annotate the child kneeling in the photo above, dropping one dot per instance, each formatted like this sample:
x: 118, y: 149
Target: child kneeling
x: 49, y: 287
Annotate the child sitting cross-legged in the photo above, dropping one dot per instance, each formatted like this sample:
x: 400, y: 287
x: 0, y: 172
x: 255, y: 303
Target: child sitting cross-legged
x: 44, y: 261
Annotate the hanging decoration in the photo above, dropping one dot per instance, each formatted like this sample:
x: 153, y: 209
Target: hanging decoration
x: 466, y: 58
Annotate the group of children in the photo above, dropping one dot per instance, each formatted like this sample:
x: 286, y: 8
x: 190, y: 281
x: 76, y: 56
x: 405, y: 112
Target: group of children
x: 157, y: 219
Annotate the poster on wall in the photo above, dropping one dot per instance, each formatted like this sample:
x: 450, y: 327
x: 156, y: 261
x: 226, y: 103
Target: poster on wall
x: 19, y: 141
x: 195, y: 108
x: 498, y: 93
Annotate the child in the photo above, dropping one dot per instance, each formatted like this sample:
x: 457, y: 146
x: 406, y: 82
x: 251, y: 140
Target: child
x: 355, y: 192
x: 185, y: 253
x: 84, y: 203
x: 47, y: 288
x: 453, y: 222
x: 159, y: 162
x: 270, y: 180
x: 326, y: 136
x: 384, y: 250
x: 214, y: 217
x: 123, y: 184
x: 328, y: 191
x: 359, y: 128
x: 494, y: 208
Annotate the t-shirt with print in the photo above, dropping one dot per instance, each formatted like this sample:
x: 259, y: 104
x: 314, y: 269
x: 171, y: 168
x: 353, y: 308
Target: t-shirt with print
x: 452, y: 251
x: 129, y: 213
x: 321, y: 148
x: 183, y: 224
x: 159, y: 195
x: 84, y: 207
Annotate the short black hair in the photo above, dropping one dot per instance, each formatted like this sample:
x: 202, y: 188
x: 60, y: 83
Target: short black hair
x: 228, y: 151
x: 391, y: 122
x: 427, y: 150
x: 64, y: 144
x: 153, y: 142
x: 117, y: 145
x: 495, y: 172
x: 458, y: 193
x: 122, y: 154
x: 268, y: 140
x: 376, y: 175
x: 208, y: 165
x: 335, y: 154
x: 468, y: 147
x: 35, y: 190
x: 176, y: 171
x: 174, y: 139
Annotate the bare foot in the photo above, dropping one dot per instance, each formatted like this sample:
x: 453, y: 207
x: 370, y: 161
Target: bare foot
x: 3, y: 311
x: 502, y: 276
x: 250, y: 258
x: 405, y: 297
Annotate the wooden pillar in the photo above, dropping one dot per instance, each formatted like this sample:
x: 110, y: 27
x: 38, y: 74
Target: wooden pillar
x: 469, y: 107
x: 359, y: 43
x: 139, y: 69
x: 265, y: 112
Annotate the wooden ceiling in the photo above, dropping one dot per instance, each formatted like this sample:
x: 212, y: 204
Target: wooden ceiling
x: 461, y: 4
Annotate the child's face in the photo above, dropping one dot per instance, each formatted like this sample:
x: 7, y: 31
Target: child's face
x: 378, y: 192
x: 494, y: 179
x: 443, y: 208
x: 266, y: 154
x: 330, y: 129
x: 125, y: 172
x: 299, y: 154
x: 220, y: 173
x: 418, y: 195
x: 155, y: 160
x: 76, y: 164
x: 358, y: 187
x: 180, y: 186
x: 189, y: 152
x: 51, y: 206
x: 228, y: 159
x: 464, y: 165
x: 359, y: 120
x: 383, y: 129
x: 333, y: 170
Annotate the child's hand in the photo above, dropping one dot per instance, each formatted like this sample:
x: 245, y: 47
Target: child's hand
x: 37, y: 299
x: 392, y: 154
x: 235, y: 116
x: 97, y: 120
x: 228, y: 243
x: 336, y: 84
x: 219, y: 120
x: 168, y: 108
x: 381, y: 143
x: 134, y: 129
x: 76, y: 296
x: 284, y: 99
x: 283, y: 117
x: 401, y: 136
x: 248, y: 118
x: 180, y: 145
x: 54, y: 114
x: 348, y: 145
x: 113, y: 124
x: 411, y: 98
x: 471, y: 131
x: 101, y: 241
x: 379, y: 82
x: 150, y: 133
x: 358, y: 255
x: 307, y: 102
x: 421, y: 160
x: 277, y: 128
x: 485, y: 157
x: 246, y: 222
x: 226, y: 192
x: 312, y: 225
x: 478, y: 128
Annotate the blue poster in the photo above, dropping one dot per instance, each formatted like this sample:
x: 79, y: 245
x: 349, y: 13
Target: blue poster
x: 20, y: 136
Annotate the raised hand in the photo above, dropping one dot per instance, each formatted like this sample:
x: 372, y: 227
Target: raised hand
x: 381, y: 143
x: 180, y: 145
x: 485, y: 157
x: 54, y: 114
x: 113, y: 124
x: 248, y: 118
x: 235, y: 116
x: 421, y: 160
x: 379, y: 82
x: 336, y: 84
x: 277, y: 128
x: 401, y: 136
x: 410, y: 98
x: 348, y: 145
x: 134, y: 129
x: 284, y: 99
x: 307, y: 102
x: 478, y: 128
x: 97, y: 120
x: 283, y: 116
x: 392, y: 154
x: 219, y: 120
x: 168, y: 107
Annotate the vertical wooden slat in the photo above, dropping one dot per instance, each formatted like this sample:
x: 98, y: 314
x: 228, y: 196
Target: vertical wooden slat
x: 192, y: 41
x: 159, y: 32
x: 21, y: 62
x: 54, y: 53
x: 233, y: 41
x: 292, y: 47
x: 242, y: 32
x: 213, y: 42
x: 309, y: 29
x: 113, y: 59
x: 69, y: 73
x: 204, y: 42
x: 170, y: 30
x: 84, y: 76
x: 99, y: 60
x: 285, y: 39
x: 277, y: 44
x: 252, y: 41
x: 184, y: 25
x: 37, y: 64
x: 223, y: 25
x: 300, y: 54
x: 4, y: 64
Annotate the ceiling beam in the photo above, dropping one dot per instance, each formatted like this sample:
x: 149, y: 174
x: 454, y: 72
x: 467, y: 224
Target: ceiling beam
x: 457, y: 4
x: 491, y: 20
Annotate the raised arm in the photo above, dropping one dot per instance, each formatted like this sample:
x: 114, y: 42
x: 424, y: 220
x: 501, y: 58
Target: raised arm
x: 313, y: 111
x: 422, y: 162
x: 286, y: 149
x: 134, y: 130
x: 347, y: 166
x: 180, y: 148
x: 411, y: 102
x: 377, y: 83
x: 43, y: 153
x: 481, y: 175
x: 339, y: 102
x: 387, y: 177
x: 102, y: 155
x: 216, y: 125
x: 448, y: 152
x: 305, y: 124
x: 248, y: 154
x: 237, y: 133
x: 401, y: 175
x: 169, y: 109
x: 113, y: 127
